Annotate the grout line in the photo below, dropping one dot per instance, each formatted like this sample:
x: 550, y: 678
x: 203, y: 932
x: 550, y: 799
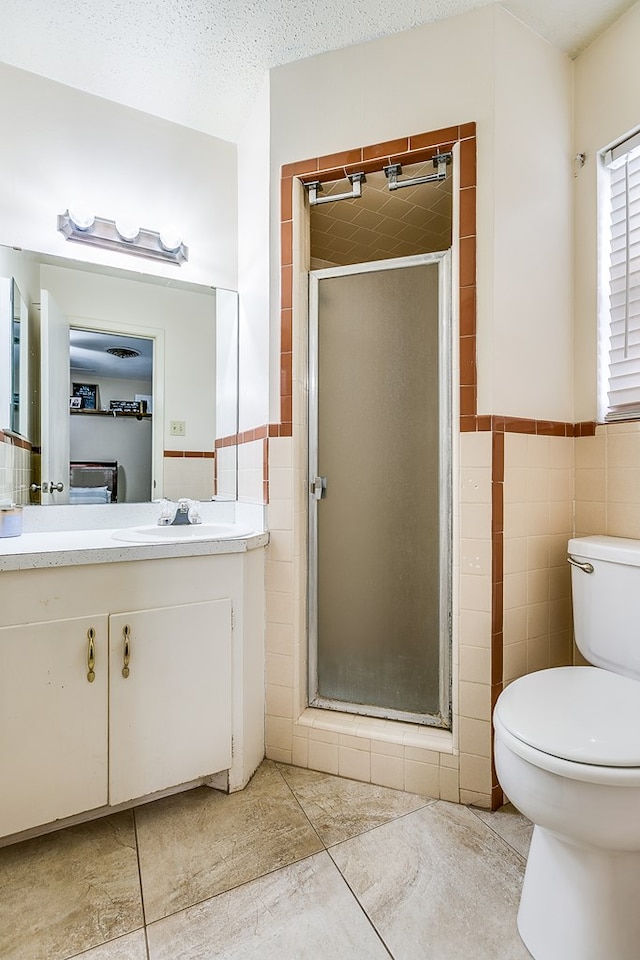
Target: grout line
x: 498, y: 835
x: 295, y: 797
x: 228, y: 890
x: 144, y: 916
x: 360, y: 905
x: 426, y: 802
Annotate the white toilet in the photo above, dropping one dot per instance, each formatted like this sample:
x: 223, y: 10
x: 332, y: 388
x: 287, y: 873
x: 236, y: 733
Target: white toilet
x: 567, y: 755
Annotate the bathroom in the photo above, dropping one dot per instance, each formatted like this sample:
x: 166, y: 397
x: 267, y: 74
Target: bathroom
x: 531, y: 470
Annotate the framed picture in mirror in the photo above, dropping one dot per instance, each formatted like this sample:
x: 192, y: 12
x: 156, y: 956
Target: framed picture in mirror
x: 88, y: 394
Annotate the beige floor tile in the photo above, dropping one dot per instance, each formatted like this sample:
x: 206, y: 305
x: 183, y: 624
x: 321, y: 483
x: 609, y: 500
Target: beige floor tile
x: 340, y: 809
x: 68, y: 891
x: 510, y: 824
x: 131, y: 947
x: 200, y: 843
x: 437, y: 883
x: 304, y: 911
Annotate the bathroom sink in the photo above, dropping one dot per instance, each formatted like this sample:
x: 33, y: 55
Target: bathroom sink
x: 182, y: 533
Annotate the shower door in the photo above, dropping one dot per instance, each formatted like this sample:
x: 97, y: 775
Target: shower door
x: 380, y: 426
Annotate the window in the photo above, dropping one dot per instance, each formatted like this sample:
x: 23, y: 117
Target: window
x: 620, y: 300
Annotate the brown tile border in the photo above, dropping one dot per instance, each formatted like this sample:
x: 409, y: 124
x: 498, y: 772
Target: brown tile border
x: 541, y: 428
x: 372, y: 157
x: 418, y: 147
x: 13, y: 440
x: 203, y: 454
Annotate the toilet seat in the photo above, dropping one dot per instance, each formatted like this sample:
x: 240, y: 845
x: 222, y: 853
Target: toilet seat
x: 580, y: 722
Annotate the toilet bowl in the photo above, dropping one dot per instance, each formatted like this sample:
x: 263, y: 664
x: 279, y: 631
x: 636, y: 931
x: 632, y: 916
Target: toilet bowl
x: 567, y: 755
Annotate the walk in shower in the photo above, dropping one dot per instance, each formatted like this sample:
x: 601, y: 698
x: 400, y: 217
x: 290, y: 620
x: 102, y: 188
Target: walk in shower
x: 380, y: 489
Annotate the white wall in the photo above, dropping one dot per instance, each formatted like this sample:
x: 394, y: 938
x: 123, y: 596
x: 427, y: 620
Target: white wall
x: 61, y: 147
x: 486, y: 67
x: 607, y: 80
x: 253, y: 265
x: 528, y: 345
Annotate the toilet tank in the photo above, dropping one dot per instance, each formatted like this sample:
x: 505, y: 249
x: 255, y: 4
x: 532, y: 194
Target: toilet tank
x: 606, y: 602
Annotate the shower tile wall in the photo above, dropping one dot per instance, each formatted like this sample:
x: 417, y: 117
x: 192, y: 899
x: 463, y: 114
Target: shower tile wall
x: 473, y: 717
x: 384, y: 752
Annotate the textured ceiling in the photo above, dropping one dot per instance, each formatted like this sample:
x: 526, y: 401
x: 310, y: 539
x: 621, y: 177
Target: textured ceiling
x: 88, y: 356
x: 201, y: 62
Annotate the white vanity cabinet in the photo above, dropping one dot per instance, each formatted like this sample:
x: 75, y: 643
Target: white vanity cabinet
x: 119, y: 681
x: 53, y: 722
x: 170, y: 716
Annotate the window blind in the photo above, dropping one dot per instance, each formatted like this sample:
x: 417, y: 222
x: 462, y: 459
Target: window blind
x: 622, y: 331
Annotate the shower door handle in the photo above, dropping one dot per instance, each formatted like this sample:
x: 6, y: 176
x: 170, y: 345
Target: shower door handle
x: 319, y: 487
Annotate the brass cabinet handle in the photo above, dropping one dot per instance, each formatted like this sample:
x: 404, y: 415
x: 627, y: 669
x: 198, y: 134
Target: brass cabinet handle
x: 91, y: 654
x: 126, y: 632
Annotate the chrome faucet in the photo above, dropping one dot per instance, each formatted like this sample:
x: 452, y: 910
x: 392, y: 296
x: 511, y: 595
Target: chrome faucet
x: 185, y: 511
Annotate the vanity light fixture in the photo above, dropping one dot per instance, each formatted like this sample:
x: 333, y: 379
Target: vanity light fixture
x: 394, y: 170
x: 122, y: 236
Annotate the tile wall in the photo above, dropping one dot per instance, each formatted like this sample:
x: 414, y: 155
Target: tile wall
x: 252, y: 470
x: 474, y: 608
x: 225, y: 471
x: 189, y: 474
x: 538, y: 521
x: 15, y: 469
x: 607, y: 481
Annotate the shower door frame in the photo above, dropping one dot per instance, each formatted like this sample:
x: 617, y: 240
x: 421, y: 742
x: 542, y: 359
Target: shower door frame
x: 445, y: 419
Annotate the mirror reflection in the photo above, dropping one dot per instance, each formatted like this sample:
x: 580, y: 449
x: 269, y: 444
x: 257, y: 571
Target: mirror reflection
x: 111, y: 408
x: 14, y: 354
x: 125, y: 401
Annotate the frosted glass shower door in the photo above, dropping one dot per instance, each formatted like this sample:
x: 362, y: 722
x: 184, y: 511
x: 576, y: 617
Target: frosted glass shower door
x: 379, y: 530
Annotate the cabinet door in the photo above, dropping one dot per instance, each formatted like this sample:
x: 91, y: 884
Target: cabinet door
x: 53, y: 721
x: 170, y: 716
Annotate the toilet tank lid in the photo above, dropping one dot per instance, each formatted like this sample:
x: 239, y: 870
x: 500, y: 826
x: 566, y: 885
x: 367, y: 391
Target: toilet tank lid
x: 613, y: 549
x: 582, y: 714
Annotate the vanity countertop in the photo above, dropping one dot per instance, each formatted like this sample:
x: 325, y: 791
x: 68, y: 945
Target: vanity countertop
x: 63, y: 548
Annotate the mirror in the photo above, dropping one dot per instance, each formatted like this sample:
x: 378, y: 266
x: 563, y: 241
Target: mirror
x: 88, y: 408
x: 14, y: 359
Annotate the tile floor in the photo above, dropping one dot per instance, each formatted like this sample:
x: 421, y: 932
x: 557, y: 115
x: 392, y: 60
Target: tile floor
x: 298, y: 866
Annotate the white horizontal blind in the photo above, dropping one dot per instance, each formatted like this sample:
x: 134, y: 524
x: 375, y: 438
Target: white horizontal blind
x: 623, y: 393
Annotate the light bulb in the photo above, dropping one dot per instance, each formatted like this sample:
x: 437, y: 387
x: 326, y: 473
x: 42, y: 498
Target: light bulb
x: 81, y: 218
x: 127, y: 230
x: 169, y: 240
